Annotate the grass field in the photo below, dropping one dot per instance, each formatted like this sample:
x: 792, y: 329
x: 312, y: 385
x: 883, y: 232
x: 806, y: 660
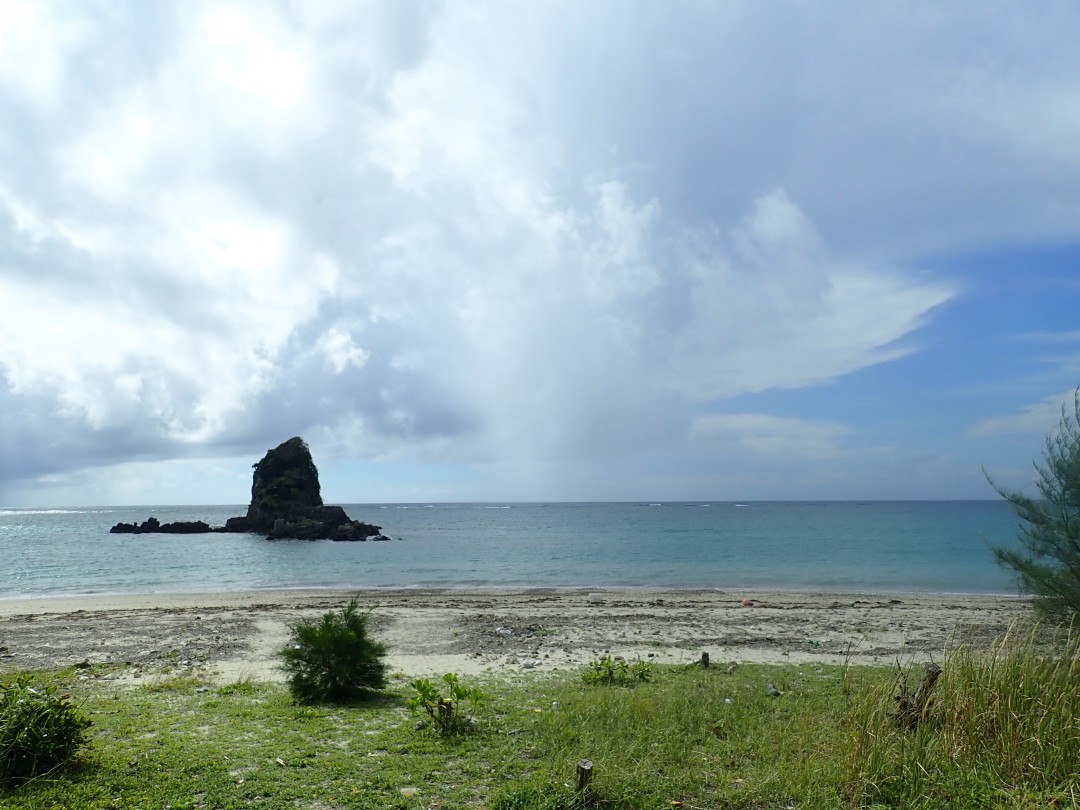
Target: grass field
x: 1003, y: 731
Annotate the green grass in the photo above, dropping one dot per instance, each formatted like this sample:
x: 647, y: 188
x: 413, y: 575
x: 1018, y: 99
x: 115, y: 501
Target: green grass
x: 1003, y: 732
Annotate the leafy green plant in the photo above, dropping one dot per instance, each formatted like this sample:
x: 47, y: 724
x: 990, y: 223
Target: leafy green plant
x: 40, y: 731
x: 334, y: 660
x: 616, y: 672
x: 445, y: 710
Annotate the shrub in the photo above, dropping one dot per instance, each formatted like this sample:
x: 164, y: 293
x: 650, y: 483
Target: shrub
x: 40, y: 731
x: 333, y: 660
x: 445, y: 710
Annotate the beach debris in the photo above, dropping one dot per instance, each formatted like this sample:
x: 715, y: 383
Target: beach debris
x: 813, y: 643
x: 747, y: 602
x: 911, y: 708
x: 771, y: 690
x: 408, y: 792
x: 596, y: 598
x: 732, y: 666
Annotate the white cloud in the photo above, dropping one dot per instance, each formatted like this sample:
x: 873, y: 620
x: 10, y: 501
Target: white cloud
x: 773, y: 436
x: 341, y: 350
x: 35, y: 41
x: 1053, y: 337
x: 1037, y: 418
x: 483, y: 232
x: 782, y: 310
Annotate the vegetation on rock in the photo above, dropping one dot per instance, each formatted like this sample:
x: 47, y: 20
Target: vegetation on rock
x: 285, y: 480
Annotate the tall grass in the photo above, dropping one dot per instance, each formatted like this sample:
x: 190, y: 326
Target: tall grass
x: 1003, y: 731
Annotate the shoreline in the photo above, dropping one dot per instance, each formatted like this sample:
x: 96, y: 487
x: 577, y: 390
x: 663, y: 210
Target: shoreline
x: 164, y: 598
x: 498, y: 632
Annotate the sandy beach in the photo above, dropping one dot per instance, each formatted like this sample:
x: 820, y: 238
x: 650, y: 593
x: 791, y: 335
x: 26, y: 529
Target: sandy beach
x: 228, y: 636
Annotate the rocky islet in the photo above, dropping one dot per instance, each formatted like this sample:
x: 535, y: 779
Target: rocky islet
x: 286, y: 504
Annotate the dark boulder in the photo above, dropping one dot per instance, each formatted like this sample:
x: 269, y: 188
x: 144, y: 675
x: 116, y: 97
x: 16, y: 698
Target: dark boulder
x: 322, y: 523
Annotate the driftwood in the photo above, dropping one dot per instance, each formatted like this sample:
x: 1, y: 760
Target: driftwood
x: 911, y: 708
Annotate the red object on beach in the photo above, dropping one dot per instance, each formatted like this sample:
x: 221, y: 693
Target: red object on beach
x: 747, y: 603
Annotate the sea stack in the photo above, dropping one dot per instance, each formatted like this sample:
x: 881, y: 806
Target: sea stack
x: 286, y: 502
x: 285, y: 481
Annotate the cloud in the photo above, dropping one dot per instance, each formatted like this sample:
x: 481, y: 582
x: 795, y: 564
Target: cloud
x: 776, y: 308
x: 1037, y: 418
x: 1053, y: 338
x: 774, y: 436
x: 479, y: 233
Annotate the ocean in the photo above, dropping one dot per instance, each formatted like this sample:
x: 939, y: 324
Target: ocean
x: 882, y: 546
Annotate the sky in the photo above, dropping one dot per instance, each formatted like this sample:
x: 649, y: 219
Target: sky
x: 520, y: 251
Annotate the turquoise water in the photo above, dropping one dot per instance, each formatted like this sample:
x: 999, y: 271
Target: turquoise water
x: 933, y: 546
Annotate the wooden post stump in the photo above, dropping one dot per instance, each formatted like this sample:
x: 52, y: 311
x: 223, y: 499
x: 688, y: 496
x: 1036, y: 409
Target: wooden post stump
x: 704, y: 660
x: 446, y: 712
x: 583, y: 775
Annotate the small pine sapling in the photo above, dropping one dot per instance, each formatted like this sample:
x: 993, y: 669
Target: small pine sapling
x: 334, y: 660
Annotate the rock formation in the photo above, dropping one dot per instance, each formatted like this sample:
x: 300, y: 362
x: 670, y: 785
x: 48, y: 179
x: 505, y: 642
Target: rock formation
x: 285, y: 481
x: 154, y: 526
x: 286, y: 503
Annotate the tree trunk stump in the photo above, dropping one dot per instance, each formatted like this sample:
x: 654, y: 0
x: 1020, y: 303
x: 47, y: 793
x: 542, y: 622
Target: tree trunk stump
x: 911, y: 709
